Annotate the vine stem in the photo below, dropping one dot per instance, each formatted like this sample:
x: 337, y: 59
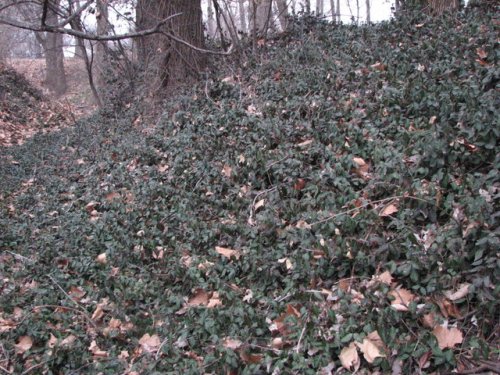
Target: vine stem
x: 370, y: 203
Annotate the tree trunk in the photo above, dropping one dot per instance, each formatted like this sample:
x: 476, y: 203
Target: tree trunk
x: 243, y: 20
x: 368, y: 12
x: 438, y: 7
x: 332, y: 9
x: 307, y: 4
x: 263, y: 16
x: 101, y: 50
x: 319, y: 7
x: 210, y: 19
x: 282, y: 13
x: 55, y: 77
x: 170, y: 63
x: 338, y: 12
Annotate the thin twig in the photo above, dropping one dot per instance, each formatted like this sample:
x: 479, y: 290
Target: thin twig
x: 19, y: 257
x: 80, y: 308
x: 252, y: 209
x: 368, y: 204
x: 297, y: 348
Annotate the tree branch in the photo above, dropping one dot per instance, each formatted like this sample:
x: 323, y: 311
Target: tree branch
x: 83, y: 35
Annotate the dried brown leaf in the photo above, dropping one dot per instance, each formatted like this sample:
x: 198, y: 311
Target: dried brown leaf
x: 349, y: 357
x: 447, y: 337
x: 232, y: 344
x: 228, y: 253
x: 149, y: 343
x: 23, y: 344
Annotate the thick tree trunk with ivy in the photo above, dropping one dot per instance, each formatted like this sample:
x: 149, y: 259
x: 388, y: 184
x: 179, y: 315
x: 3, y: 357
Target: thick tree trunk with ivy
x: 169, y: 64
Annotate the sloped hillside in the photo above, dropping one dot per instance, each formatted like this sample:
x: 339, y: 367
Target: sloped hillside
x: 331, y: 206
x: 23, y: 109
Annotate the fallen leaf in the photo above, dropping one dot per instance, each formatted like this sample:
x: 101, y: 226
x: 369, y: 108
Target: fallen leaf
x: 23, y: 344
x: 448, y: 308
x: 96, y: 351
x: 232, y: 344
x: 68, y: 341
x: 349, y: 357
x: 402, y: 298
x: 481, y: 53
x: 430, y: 320
x: 299, y: 184
x: 227, y: 171
x: 423, y: 361
x: 199, y: 298
x: 112, y: 196
x: 389, y: 210
x: 228, y: 253
x: 214, y: 301
x: 248, y: 296
x: 251, y: 358
x: 301, y: 224
x: 370, y: 350
x: 385, y: 278
x: 461, y: 292
x: 288, y: 263
x: 149, y: 343
x: 447, y: 337
x: 259, y: 204
x: 277, y: 343
x: 362, y: 168
x: 378, y: 66
x: 76, y: 293
x: 102, y: 258
x: 305, y: 143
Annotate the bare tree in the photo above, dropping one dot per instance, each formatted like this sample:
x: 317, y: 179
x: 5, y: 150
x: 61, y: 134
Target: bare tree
x: 332, y: 9
x: 338, y: 12
x: 243, y: 19
x: 210, y: 19
x: 319, y: 7
x: 101, y: 49
x: 282, y: 13
x: 368, y: 12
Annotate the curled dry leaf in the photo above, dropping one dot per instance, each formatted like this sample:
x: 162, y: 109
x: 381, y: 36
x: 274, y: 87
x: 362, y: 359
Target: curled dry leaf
x: 447, y: 337
x: 388, y: 210
x: 228, y: 253
x: 227, y: 171
x: 402, y: 299
x: 461, y: 292
x: 23, y: 344
x: 96, y: 351
x: 250, y: 358
x: 370, y: 350
x: 259, y: 204
x: 232, y: 344
x: 149, y: 343
x: 349, y: 357
x: 102, y: 258
x: 385, y: 278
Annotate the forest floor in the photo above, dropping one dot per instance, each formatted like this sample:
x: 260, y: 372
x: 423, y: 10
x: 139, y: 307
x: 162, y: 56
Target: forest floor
x: 31, y: 108
x: 330, y: 206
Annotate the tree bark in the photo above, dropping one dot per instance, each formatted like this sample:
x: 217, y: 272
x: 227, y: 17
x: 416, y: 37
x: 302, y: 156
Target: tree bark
x: 170, y: 64
x: 243, y: 19
x: 55, y: 77
x: 263, y: 16
x: 338, y: 12
x: 101, y: 50
x: 282, y: 13
x: 319, y: 7
x: 332, y: 10
x: 368, y: 12
x: 210, y: 19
